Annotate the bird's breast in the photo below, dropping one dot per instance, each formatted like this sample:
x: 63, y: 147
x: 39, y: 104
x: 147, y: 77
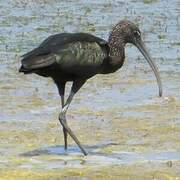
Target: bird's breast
x: 113, y: 63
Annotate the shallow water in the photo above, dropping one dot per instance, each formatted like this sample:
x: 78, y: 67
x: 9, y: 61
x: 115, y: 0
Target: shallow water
x: 128, y: 131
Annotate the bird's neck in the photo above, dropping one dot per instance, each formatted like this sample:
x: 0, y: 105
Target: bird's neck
x: 117, y: 46
x: 116, y: 53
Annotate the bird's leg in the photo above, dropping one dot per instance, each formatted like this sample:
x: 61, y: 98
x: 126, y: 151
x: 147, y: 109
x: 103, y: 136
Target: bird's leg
x: 61, y: 89
x: 75, y: 87
x: 64, y: 130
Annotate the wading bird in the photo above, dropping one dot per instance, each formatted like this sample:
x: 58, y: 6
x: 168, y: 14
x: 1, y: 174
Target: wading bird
x: 77, y: 57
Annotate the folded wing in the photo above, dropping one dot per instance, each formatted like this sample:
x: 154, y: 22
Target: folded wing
x: 67, y: 50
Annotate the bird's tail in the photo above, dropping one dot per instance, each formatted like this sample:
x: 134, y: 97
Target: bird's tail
x: 24, y: 70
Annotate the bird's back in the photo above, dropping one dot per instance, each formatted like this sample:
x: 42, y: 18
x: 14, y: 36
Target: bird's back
x: 77, y: 54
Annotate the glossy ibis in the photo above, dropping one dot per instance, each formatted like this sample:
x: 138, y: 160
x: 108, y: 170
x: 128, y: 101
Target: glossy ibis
x: 77, y: 57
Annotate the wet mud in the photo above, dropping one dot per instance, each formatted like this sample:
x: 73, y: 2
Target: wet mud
x: 127, y: 130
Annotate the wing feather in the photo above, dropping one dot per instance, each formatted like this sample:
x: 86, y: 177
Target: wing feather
x: 64, y: 44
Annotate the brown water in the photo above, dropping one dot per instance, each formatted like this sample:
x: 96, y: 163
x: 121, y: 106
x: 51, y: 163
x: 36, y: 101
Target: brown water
x: 128, y: 131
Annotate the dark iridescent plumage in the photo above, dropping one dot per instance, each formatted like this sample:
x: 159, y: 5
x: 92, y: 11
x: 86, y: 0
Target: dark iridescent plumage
x: 78, y: 56
x: 67, y: 54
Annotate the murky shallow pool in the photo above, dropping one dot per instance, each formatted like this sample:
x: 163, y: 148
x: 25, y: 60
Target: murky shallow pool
x: 128, y: 131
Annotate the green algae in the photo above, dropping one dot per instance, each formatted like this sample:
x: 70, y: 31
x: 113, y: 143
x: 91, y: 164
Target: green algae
x: 149, y: 1
x: 177, y: 43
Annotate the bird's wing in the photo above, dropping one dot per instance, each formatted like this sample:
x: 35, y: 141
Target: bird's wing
x: 78, y: 57
x: 53, y: 49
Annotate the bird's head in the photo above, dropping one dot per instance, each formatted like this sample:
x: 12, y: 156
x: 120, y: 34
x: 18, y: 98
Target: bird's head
x: 127, y: 32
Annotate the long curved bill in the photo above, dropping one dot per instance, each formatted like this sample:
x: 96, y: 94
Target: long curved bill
x: 141, y: 46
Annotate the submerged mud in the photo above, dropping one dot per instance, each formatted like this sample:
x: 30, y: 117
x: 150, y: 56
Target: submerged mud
x: 127, y: 130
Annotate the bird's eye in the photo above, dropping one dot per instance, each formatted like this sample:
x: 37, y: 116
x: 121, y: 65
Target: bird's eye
x: 137, y: 33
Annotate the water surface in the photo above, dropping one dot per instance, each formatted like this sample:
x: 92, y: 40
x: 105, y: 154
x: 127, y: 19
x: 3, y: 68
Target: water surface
x: 128, y: 131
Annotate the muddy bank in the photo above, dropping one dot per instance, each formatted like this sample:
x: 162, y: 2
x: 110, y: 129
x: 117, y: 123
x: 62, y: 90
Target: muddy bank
x: 128, y: 131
